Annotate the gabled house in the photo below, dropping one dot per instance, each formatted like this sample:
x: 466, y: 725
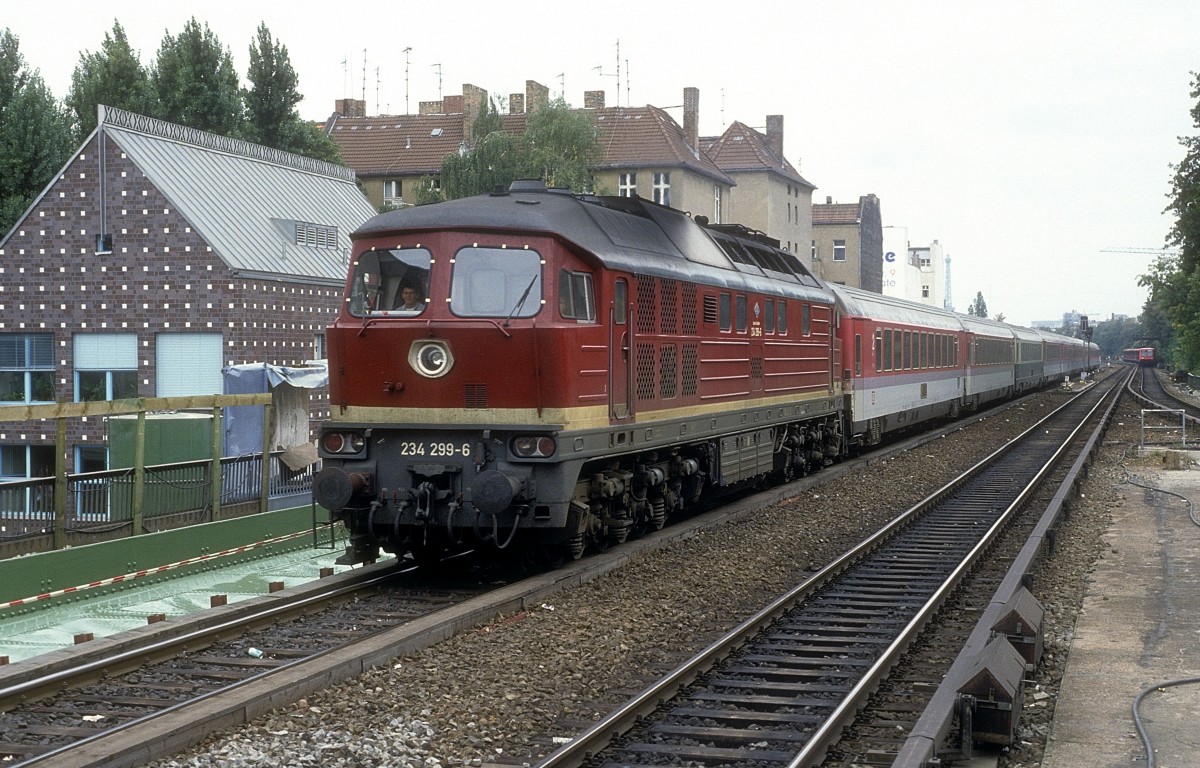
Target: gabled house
x: 158, y: 256
x: 847, y: 243
x: 645, y: 151
x: 769, y: 194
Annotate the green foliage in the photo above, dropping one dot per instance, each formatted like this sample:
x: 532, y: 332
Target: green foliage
x: 427, y: 192
x: 114, y: 77
x: 271, y: 115
x: 196, y: 83
x: 35, y: 133
x: 559, y: 146
x: 1174, y: 280
x: 978, y: 307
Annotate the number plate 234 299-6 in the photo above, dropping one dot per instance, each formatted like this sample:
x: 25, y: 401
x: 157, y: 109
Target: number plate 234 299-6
x: 434, y: 450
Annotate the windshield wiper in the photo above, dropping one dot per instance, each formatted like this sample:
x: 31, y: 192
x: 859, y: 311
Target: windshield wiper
x: 521, y: 301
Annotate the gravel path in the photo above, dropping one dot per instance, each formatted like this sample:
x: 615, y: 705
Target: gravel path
x: 480, y: 697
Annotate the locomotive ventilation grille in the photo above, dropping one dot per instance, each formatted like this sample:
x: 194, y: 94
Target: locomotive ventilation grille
x: 476, y: 396
x: 645, y: 371
x: 667, y: 378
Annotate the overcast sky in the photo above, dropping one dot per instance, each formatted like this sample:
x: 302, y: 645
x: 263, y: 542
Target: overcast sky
x: 1027, y: 137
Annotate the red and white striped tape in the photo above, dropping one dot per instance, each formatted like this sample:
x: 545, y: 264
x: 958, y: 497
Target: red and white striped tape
x: 151, y: 571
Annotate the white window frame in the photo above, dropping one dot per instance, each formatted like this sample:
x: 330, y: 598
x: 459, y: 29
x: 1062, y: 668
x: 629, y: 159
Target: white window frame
x: 627, y: 184
x: 839, y: 250
x: 717, y: 203
x: 393, y: 192
x: 106, y: 353
x: 662, y: 187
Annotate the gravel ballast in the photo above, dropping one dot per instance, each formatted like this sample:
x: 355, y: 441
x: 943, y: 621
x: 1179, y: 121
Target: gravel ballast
x: 481, y: 697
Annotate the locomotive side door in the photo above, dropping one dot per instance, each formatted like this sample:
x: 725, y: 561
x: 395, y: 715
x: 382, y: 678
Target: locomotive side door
x: 619, y: 345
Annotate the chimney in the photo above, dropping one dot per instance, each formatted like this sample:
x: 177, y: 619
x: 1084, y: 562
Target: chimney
x: 828, y: 200
x: 516, y: 104
x: 350, y: 107
x: 474, y: 102
x: 775, y: 134
x: 430, y: 108
x: 691, y: 118
x: 536, y: 95
x: 593, y: 99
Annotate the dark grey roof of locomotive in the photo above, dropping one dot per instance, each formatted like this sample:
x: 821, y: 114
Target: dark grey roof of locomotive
x: 624, y: 233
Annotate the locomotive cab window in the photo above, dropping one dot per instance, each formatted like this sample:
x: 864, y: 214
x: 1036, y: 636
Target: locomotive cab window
x: 741, y: 314
x: 496, y: 282
x: 390, y: 281
x: 576, y: 301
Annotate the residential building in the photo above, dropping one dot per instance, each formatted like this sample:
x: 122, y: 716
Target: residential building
x: 847, y: 243
x: 158, y: 256
x: 915, y: 273
x: 769, y: 194
x: 739, y: 177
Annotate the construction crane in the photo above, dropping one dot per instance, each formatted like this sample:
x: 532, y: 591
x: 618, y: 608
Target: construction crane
x: 1163, y: 251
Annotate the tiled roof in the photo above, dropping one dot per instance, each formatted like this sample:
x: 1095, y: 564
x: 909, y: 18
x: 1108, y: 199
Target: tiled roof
x: 742, y: 148
x: 631, y: 137
x: 403, y: 144
x: 244, y: 199
x: 836, y: 213
x: 647, y: 137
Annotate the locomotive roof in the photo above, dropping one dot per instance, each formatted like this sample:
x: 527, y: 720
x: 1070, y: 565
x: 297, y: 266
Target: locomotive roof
x: 624, y: 233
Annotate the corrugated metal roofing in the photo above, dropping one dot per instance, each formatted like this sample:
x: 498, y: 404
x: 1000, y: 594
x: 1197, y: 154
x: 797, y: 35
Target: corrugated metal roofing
x: 244, y: 199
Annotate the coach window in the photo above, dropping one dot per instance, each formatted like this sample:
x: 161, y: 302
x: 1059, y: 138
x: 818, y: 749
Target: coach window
x: 769, y: 316
x: 887, y: 349
x: 725, y: 313
x: 620, y: 301
x: 575, y: 298
x: 906, y: 350
x: 805, y: 320
x: 496, y: 282
x: 878, y: 350
x: 741, y: 314
x: 858, y: 354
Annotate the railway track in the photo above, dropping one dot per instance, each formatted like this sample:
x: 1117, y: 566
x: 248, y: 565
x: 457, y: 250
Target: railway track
x: 784, y: 685
x: 162, y: 715
x: 60, y: 711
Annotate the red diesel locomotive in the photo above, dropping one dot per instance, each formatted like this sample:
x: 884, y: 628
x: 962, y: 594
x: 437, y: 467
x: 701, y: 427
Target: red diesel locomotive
x: 537, y: 369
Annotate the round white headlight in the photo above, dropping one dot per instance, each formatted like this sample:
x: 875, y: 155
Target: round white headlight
x: 430, y: 358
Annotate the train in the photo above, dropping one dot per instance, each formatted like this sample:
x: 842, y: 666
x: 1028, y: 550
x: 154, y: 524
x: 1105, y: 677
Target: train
x: 581, y: 368
x: 1144, y: 356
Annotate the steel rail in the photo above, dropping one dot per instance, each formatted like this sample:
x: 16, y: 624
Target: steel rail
x: 619, y: 721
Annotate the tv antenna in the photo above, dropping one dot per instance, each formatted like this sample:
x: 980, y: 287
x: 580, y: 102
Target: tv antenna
x: 406, y: 63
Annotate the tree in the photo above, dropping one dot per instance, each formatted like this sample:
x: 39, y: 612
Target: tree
x: 978, y: 307
x: 559, y: 146
x: 563, y: 146
x: 271, y: 116
x: 196, y: 83
x: 115, y: 77
x: 1174, y: 280
x: 35, y: 133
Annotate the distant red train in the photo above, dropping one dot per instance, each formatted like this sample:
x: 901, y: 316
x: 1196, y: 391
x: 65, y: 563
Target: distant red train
x: 556, y: 372
x: 1140, y: 356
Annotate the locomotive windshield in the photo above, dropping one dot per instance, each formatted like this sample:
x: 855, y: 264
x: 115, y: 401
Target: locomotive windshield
x: 496, y: 282
x: 392, y: 281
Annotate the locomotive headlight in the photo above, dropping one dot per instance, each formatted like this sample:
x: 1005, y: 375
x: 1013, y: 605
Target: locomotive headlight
x: 336, y: 443
x: 533, y: 446
x: 430, y: 358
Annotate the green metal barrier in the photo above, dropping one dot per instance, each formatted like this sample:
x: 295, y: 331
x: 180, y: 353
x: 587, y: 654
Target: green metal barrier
x: 111, y: 563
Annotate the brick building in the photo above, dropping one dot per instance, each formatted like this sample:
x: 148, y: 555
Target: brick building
x: 158, y: 256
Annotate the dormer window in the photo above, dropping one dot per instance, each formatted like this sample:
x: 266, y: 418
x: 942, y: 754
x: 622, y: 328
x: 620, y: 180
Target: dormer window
x: 316, y: 235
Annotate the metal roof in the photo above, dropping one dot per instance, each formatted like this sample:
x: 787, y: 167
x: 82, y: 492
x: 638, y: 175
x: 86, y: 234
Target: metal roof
x: 244, y: 199
x: 625, y: 233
